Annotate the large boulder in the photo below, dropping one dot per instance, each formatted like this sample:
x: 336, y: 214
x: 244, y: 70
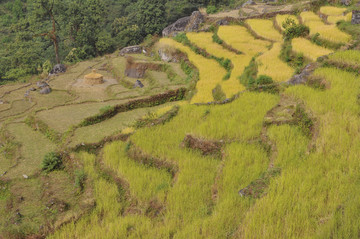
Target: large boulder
x: 168, y: 56
x: 346, y: 2
x: 45, y: 90
x: 59, y: 68
x: 248, y: 3
x: 131, y: 50
x: 355, y: 17
x: 188, y: 24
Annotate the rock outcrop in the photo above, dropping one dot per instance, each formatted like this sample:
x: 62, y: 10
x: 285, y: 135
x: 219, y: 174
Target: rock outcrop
x: 131, y: 50
x: 188, y: 24
x: 355, y: 17
x: 346, y: 2
x: 304, y: 74
x: 59, y: 68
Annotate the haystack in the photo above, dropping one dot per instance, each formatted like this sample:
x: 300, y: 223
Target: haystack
x: 94, y: 78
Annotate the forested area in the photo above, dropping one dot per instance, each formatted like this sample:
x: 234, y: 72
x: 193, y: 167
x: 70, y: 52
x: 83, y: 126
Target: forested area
x: 35, y: 34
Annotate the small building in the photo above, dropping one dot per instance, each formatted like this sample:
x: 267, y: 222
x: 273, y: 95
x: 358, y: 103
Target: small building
x: 94, y: 78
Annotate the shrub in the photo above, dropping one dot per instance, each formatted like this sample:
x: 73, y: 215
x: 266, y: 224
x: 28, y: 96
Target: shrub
x: 293, y: 30
x: 218, y: 93
x: 47, y: 67
x: 51, y: 162
x: 248, y: 77
x: 211, y: 10
x: 105, y: 109
x: 217, y: 39
x: 80, y: 178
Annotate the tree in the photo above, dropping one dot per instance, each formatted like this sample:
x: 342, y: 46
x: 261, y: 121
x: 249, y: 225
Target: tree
x: 151, y: 16
x: 43, y: 11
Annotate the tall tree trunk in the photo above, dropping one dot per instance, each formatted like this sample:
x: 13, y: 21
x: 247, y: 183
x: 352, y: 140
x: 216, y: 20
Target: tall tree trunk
x: 54, y: 38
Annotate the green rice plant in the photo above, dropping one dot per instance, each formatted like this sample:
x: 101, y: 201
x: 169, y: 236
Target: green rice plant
x: 349, y: 58
x: 243, y: 164
x: 153, y: 183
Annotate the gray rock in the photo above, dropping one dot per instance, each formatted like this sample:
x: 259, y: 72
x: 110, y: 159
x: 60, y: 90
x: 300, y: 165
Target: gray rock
x: 346, y: 2
x: 355, y: 17
x: 188, y: 24
x: 304, y: 74
x: 222, y: 22
x: 249, y: 2
x: 167, y: 56
x: 138, y: 84
x: 32, y: 89
x: 25, y: 176
x: 45, y: 90
x: 41, y: 84
x: 131, y: 50
x: 59, y: 68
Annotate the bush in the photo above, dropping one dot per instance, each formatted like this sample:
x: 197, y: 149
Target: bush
x: 47, y: 67
x: 218, y: 93
x: 249, y: 74
x: 80, y: 178
x: 105, y: 109
x: 293, y: 30
x: 263, y: 80
x: 217, y: 39
x: 51, y: 162
x: 211, y: 10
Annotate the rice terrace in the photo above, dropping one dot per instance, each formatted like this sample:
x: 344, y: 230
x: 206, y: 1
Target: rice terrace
x: 242, y: 120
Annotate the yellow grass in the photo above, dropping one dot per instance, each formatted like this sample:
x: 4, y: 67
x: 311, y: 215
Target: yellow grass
x: 265, y: 29
x: 239, y: 38
x: 211, y: 73
x: 232, y: 85
x: 327, y: 32
x: 332, y: 11
x: 280, y: 19
x: 270, y: 64
x: 310, y: 50
x: 335, y: 19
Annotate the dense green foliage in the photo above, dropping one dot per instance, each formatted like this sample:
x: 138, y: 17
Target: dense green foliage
x: 293, y: 30
x: 35, y: 33
x: 51, y: 162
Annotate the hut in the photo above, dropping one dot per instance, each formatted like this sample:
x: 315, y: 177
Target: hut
x: 94, y: 78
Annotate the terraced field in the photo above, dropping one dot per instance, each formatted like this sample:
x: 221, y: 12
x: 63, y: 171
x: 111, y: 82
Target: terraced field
x: 327, y: 32
x: 165, y: 162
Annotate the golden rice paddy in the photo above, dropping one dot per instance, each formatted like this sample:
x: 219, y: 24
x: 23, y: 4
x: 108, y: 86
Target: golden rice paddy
x: 310, y: 50
x: 270, y: 64
x: 264, y: 28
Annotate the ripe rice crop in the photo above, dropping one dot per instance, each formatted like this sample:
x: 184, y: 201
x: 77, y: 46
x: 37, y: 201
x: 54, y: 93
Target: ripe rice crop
x: 327, y: 32
x: 270, y: 64
x: 310, y: 50
x: 280, y: 19
x: 211, y: 73
x: 332, y: 11
x: 232, y: 85
x: 265, y: 29
x: 239, y: 38
x: 335, y: 19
